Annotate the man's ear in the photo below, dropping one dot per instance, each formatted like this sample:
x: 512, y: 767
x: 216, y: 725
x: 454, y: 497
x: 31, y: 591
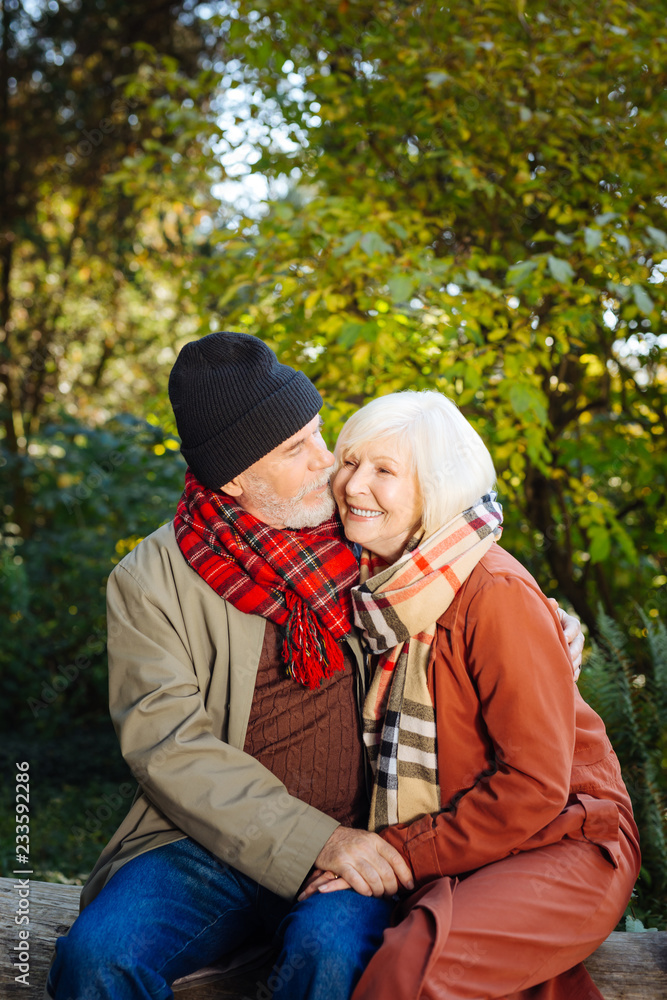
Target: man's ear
x: 234, y: 488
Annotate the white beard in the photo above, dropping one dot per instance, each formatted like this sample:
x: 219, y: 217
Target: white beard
x: 292, y: 512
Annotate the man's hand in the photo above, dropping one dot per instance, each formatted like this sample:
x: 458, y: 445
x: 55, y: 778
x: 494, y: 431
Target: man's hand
x: 574, y: 635
x: 365, y: 861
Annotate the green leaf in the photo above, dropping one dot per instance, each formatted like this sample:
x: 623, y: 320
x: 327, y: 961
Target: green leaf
x: 643, y: 300
x: 526, y: 398
x: 605, y: 217
x: 400, y: 287
x: 592, y: 238
x: 346, y: 243
x: 623, y: 242
x: 560, y: 269
x: 658, y: 236
x: 397, y: 229
x: 263, y: 53
x: 626, y: 543
x: 372, y: 243
x: 600, y: 547
x: 620, y: 291
x: 436, y: 77
x: 350, y: 333
x: 237, y: 29
x: 564, y: 238
x: 477, y: 280
x: 518, y: 273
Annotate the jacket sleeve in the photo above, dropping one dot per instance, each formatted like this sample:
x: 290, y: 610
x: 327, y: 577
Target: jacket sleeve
x: 517, y: 660
x: 212, y: 791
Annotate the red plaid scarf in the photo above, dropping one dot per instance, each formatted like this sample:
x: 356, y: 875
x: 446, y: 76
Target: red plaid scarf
x: 298, y: 579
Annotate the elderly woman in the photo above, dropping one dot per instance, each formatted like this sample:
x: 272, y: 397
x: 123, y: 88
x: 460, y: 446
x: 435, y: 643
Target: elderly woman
x: 492, y: 777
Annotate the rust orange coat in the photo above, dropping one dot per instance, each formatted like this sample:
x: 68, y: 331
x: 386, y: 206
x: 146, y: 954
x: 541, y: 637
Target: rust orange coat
x: 531, y: 861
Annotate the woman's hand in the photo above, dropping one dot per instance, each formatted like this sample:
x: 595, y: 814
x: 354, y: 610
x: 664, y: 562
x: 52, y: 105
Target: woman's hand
x: 574, y: 635
x: 321, y: 881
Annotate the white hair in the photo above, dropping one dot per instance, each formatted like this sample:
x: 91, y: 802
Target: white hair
x: 452, y: 464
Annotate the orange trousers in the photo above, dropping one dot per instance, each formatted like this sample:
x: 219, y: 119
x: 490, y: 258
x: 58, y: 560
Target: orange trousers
x: 517, y: 929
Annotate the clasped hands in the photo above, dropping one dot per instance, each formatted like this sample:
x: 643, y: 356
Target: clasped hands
x: 359, y: 860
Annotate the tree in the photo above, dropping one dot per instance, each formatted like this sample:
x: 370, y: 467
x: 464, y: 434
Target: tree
x: 91, y: 303
x: 476, y: 206
x: 95, y: 493
x: 87, y: 295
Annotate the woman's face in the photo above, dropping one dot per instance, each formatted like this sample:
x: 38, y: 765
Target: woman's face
x: 378, y: 498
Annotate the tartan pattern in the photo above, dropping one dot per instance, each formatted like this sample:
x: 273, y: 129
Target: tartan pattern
x: 299, y: 579
x: 397, y: 608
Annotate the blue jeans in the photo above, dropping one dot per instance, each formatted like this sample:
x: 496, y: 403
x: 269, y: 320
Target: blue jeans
x: 178, y: 908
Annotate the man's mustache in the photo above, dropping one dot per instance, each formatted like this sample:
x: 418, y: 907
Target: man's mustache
x: 322, y: 480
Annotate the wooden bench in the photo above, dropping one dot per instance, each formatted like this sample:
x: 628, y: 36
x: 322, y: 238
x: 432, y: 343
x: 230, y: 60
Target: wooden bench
x: 625, y: 966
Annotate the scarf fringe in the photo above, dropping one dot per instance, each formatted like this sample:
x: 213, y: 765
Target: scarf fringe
x: 309, y: 649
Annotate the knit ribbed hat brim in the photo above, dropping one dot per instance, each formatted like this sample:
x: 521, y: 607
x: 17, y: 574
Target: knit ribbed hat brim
x: 234, y: 403
x: 236, y: 447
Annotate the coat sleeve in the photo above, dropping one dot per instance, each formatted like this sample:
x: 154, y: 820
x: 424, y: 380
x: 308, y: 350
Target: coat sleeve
x: 515, y: 656
x: 212, y: 791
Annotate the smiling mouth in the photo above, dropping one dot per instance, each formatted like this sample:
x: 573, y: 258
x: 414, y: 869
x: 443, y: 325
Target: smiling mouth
x: 360, y: 512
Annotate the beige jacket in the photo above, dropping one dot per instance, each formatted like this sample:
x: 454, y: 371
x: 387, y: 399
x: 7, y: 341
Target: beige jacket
x: 182, y: 669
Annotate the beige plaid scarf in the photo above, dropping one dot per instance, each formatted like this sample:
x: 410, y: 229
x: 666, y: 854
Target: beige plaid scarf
x: 397, y: 608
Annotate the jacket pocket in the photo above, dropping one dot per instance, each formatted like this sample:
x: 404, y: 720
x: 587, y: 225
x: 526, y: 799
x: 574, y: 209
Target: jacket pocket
x: 601, y: 826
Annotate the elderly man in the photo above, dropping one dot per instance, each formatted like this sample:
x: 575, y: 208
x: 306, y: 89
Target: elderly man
x: 235, y: 685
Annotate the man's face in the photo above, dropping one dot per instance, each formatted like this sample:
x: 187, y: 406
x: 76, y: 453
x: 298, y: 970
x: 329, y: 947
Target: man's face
x: 289, y: 487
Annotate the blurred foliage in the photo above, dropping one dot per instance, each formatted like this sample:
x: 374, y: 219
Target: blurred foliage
x: 89, y: 308
x: 474, y: 204
x: 484, y: 188
x: 633, y: 705
x: 471, y: 201
x: 93, y: 494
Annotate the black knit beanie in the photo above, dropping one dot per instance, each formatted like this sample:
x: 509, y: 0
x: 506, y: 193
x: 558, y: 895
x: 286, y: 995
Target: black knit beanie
x: 234, y: 403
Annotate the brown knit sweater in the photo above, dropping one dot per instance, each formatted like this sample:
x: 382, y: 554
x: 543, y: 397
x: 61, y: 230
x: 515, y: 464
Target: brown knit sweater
x: 310, y: 740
